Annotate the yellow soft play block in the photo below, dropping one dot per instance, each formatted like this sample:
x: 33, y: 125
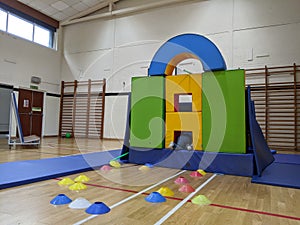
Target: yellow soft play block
x: 184, y: 121
x: 184, y: 85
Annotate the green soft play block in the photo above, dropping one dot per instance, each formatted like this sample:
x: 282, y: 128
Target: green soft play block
x: 224, y: 116
x: 147, y: 112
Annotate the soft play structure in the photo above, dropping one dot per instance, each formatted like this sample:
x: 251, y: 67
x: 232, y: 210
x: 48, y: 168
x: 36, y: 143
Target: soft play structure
x: 194, y: 121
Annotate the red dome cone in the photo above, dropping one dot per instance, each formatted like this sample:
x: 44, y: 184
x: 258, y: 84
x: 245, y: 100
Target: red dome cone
x: 187, y: 188
x: 181, y: 180
x: 105, y: 168
x: 195, y: 174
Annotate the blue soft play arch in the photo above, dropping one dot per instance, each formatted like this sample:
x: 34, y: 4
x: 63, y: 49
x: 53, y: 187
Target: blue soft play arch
x: 183, y: 47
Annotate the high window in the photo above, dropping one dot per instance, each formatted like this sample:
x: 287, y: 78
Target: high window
x: 26, y: 28
x: 3, y: 20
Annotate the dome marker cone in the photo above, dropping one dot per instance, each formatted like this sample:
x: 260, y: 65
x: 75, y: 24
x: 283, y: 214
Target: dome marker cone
x: 105, y: 168
x: 97, y: 208
x: 149, y: 165
x: 65, y: 182
x: 115, y: 163
x: 187, y: 188
x: 155, y: 197
x: 166, y: 192
x: 201, y: 200
x: 60, y: 199
x: 78, y: 187
x: 196, y: 174
x: 80, y: 203
x: 144, y: 168
x: 202, y: 172
x: 82, y: 178
x: 181, y: 180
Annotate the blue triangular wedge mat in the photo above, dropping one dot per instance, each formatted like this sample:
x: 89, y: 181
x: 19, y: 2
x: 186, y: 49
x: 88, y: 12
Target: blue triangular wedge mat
x: 262, y: 154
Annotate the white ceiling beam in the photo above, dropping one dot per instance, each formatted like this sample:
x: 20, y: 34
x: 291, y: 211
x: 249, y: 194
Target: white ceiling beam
x: 111, y: 6
x: 123, y: 11
x: 90, y: 10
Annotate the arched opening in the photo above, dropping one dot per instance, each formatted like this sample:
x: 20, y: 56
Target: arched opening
x: 188, y: 66
x: 186, y: 46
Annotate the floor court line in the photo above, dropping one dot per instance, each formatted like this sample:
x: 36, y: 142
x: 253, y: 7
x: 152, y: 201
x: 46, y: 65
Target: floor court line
x: 180, y: 204
x: 212, y: 205
x: 255, y: 211
x: 131, y: 197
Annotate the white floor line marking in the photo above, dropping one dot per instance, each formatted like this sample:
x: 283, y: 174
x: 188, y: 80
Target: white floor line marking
x: 130, y: 197
x: 170, y: 213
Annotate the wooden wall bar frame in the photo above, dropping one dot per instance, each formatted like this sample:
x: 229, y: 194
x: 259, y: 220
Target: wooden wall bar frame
x: 275, y: 91
x: 82, y: 108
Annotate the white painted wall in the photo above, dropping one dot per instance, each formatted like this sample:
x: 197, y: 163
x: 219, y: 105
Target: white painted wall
x: 51, y: 115
x: 114, y: 121
x: 249, y: 33
x: 268, y: 31
x: 21, y: 59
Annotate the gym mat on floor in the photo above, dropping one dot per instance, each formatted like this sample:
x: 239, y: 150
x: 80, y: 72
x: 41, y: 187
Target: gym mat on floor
x: 280, y: 174
x: 24, y: 172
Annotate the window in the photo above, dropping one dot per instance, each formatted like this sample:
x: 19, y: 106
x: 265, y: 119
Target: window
x: 3, y: 18
x: 27, y: 28
x: 183, y: 102
x: 19, y: 27
x: 42, y: 36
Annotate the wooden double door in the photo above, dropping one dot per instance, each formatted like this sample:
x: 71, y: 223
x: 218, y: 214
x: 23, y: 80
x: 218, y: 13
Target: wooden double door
x: 30, y: 108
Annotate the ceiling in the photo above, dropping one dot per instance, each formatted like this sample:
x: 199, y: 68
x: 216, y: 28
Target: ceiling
x: 63, y: 9
x: 73, y: 11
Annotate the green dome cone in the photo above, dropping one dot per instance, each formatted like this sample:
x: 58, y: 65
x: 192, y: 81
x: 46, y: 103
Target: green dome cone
x: 201, y: 200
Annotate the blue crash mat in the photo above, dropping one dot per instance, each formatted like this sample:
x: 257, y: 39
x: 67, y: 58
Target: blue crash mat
x: 280, y: 174
x: 24, y: 172
x: 225, y: 163
x: 287, y: 158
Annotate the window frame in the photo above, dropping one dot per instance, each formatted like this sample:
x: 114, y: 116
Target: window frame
x: 35, y: 22
x: 4, y: 11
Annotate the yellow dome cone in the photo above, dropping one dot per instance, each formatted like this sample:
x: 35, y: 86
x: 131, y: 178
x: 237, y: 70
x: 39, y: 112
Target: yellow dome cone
x: 201, y: 200
x: 82, y: 178
x: 166, y: 192
x: 77, y: 187
x: 65, y: 182
x: 144, y: 168
x: 202, y: 172
x: 115, y: 164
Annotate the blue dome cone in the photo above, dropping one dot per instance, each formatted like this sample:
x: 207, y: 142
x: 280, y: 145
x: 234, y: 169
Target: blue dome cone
x: 155, y: 197
x: 97, y: 208
x: 149, y: 165
x: 60, y: 199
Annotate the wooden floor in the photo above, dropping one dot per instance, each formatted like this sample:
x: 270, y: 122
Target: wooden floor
x: 235, y: 200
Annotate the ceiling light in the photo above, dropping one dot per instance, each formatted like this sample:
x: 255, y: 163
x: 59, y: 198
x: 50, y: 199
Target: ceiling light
x: 59, y: 5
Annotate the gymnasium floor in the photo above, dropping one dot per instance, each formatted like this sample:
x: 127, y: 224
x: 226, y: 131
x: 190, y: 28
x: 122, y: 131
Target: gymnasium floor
x: 235, y: 200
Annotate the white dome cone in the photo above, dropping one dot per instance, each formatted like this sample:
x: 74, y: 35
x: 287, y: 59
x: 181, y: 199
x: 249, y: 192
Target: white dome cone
x: 79, y: 203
